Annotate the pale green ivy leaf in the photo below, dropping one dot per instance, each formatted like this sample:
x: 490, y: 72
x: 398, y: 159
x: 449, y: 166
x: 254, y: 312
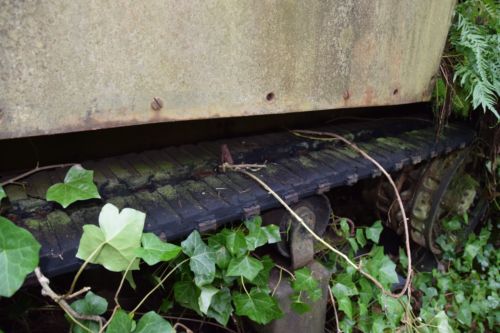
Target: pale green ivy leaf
x: 442, y: 324
x: 113, y: 244
x: 154, y: 250
x: 18, y: 256
x: 373, y: 232
x: 78, y: 185
x: 246, y: 266
x: 205, y: 299
x: 2, y: 194
x: 151, y: 322
x: 304, y: 281
x: 257, y: 305
x: 120, y: 323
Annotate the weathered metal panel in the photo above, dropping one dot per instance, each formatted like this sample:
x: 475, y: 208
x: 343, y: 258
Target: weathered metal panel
x: 79, y: 65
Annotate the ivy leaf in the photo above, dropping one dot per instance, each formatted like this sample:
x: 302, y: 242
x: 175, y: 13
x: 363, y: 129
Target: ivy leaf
x: 343, y: 286
x: 259, y: 235
x: 246, y: 266
x: 153, y: 323
x: 206, y: 295
x: 373, y: 232
x: 298, y: 305
x: 345, y: 305
x: 344, y: 226
x: 202, y: 259
x: 382, y: 267
x: 154, y: 250
x: 91, y: 304
x: 221, y: 308
x: 217, y: 244
x: 120, y: 323
x: 257, y: 305
x: 236, y: 244
x: 262, y: 279
x: 464, y: 314
x: 304, y: 281
x: 18, y: 256
x: 360, y: 237
x: 393, y: 309
x: 2, y: 193
x: 186, y: 294
x: 118, y: 236
x: 273, y: 233
x: 443, y: 325
x: 403, y: 258
x: 78, y: 185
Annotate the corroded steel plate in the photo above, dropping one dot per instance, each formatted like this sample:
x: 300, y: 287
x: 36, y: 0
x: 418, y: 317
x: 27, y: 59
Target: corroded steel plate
x: 80, y: 65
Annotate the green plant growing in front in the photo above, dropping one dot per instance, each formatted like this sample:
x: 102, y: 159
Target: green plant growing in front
x: 78, y: 185
x: 18, y: 256
x: 470, y: 70
x: 363, y: 306
x: 467, y: 290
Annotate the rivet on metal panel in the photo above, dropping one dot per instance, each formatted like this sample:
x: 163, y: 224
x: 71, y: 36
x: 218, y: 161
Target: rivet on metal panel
x: 346, y: 94
x: 156, y: 104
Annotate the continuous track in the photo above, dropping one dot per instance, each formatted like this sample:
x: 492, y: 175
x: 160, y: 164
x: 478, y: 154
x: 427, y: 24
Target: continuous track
x: 181, y: 189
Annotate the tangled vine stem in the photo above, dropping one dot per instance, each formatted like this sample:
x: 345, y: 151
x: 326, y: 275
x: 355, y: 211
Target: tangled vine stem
x: 319, y: 135
x: 323, y: 136
x: 61, y: 301
x: 35, y: 170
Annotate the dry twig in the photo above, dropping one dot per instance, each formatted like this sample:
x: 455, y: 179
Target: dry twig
x: 35, y: 170
x: 61, y: 301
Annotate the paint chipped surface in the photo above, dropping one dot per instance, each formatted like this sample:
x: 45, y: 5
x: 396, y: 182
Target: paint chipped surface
x: 82, y: 65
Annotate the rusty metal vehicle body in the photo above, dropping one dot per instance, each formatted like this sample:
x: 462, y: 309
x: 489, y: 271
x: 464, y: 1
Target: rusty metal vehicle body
x: 85, y: 65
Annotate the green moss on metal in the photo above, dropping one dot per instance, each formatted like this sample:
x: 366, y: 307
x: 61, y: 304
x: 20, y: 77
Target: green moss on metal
x: 33, y: 224
x: 306, y: 162
x: 168, y: 191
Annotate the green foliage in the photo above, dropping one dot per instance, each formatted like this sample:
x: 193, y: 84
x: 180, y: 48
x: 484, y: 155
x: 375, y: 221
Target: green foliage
x: 361, y: 305
x: 78, y: 185
x: 153, y: 323
x: 465, y: 297
x: 373, y: 232
x: 114, y: 243
x: 201, y: 259
x: 306, y: 290
x: 91, y: 304
x: 2, y: 194
x: 224, y: 265
x: 154, y: 250
x: 18, y: 256
x: 475, y: 39
x: 257, y: 305
x: 120, y: 323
